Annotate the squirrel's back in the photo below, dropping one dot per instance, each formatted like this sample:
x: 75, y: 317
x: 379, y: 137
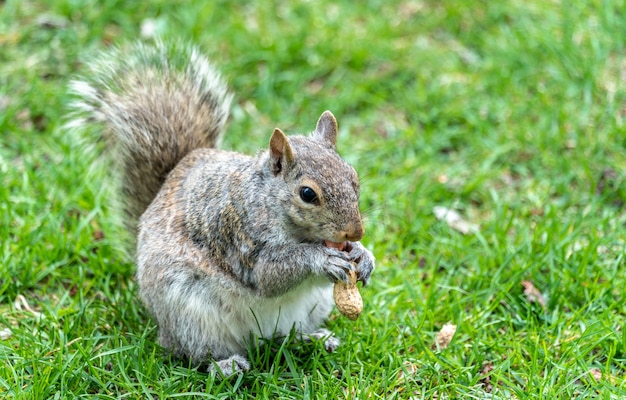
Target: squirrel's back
x: 158, y: 103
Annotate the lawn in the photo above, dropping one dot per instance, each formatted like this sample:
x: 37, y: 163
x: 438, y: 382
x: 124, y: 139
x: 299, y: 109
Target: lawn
x: 509, y: 113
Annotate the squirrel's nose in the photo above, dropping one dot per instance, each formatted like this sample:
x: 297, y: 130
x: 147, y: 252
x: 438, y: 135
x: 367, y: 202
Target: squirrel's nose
x: 354, y: 232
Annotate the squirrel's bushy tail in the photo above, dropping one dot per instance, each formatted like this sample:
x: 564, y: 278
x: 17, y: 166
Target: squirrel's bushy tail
x: 158, y: 103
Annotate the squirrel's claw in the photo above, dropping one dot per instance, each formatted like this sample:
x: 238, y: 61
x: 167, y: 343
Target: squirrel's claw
x: 364, y: 259
x: 337, y: 265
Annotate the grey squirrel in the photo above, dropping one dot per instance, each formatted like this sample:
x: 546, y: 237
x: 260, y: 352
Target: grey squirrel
x: 229, y: 246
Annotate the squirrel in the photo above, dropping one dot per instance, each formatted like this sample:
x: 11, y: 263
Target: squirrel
x: 230, y: 248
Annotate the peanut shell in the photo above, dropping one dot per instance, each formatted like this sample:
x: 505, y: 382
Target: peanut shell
x: 347, y: 297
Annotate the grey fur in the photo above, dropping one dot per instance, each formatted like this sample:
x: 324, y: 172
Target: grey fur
x: 226, y: 247
x: 159, y: 103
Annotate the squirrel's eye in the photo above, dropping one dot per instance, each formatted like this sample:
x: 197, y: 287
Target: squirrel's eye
x: 308, y: 195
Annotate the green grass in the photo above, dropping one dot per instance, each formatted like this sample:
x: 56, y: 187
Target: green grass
x: 510, y: 112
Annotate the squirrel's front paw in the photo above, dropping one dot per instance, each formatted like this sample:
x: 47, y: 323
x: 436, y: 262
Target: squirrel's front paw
x: 337, y: 264
x: 364, y: 260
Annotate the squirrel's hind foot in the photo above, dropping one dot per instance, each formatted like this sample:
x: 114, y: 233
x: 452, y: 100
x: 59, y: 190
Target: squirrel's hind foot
x: 331, y: 342
x: 234, y: 364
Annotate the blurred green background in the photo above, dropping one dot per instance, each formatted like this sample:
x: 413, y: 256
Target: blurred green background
x: 511, y: 113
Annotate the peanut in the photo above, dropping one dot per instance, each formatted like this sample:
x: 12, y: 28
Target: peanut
x: 347, y: 297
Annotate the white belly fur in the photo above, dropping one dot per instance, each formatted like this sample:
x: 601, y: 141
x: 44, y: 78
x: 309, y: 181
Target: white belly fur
x: 229, y: 319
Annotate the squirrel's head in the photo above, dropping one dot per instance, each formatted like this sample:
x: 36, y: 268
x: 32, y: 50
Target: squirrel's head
x: 319, y: 191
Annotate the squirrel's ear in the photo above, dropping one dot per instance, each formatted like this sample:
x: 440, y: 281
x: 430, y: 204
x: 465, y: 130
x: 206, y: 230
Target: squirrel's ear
x: 281, y: 155
x: 326, y: 130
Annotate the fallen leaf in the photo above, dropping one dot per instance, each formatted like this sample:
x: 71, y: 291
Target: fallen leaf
x: 409, y: 367
x: 349, y: 393
x: 596, y: 373
x: 5, y: 334
x: 315, y: 86
x: 486, y: 378
x: 454, y: 220
x: 445, y: 335
x: 51, y: 21
x: 533, y: 294
x: 607, y: 181
x: 21, y: 304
